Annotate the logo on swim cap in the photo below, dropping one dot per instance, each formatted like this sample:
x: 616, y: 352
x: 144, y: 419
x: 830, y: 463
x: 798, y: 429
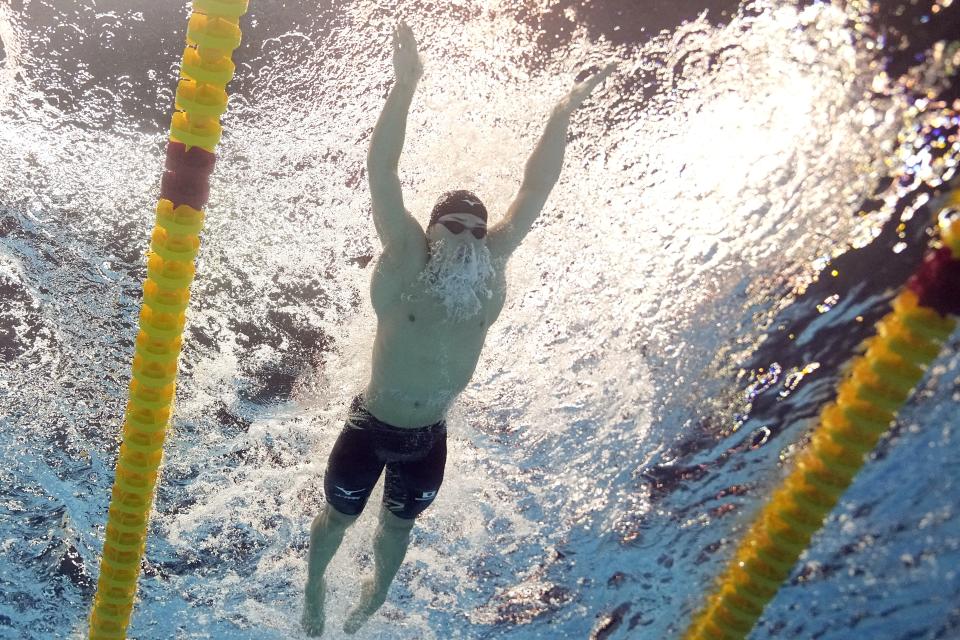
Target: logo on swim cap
x: 459, y: 201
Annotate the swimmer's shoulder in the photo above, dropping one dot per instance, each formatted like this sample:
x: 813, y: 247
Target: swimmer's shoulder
x: 396, y: 281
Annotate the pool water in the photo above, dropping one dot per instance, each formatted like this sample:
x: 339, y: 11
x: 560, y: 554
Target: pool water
x: 738, y: 205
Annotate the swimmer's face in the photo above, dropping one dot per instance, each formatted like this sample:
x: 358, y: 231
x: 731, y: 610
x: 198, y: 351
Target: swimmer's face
x: 458, y: 228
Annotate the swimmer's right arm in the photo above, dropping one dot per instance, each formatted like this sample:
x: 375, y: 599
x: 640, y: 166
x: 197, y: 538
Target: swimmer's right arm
x: 394, y: 224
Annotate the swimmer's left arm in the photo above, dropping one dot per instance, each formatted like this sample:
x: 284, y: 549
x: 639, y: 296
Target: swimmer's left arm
x: 542, y: 170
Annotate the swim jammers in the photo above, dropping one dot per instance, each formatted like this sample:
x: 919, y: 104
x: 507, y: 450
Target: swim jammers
x: 414, y: 459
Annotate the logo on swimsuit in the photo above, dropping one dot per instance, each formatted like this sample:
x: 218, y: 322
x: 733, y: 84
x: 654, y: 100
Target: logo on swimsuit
x: 349, y: 494
x: 427, y: 495
x: 393, y: 505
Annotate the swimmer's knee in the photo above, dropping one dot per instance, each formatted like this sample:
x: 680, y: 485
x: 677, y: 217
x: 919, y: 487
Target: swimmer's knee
x: 390, y: 520
x: 339, y: 518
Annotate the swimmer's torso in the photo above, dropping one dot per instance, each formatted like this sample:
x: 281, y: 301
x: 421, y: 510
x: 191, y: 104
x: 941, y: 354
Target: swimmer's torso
x: 421, y: 359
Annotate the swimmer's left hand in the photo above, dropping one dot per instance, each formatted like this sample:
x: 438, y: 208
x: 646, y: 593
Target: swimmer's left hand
x: 572, y: 101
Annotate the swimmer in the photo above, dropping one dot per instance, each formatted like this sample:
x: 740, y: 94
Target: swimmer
x: 435, y: 294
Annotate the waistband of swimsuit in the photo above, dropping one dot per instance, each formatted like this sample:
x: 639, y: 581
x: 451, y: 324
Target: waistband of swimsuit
x: 359, y: 406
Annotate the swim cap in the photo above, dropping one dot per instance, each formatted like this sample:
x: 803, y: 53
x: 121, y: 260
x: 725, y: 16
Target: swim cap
x: 459, y: 201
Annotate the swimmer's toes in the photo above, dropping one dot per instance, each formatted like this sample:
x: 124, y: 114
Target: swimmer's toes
x: 356, y: 619
x: 312, y: 620
x: 312, y: 625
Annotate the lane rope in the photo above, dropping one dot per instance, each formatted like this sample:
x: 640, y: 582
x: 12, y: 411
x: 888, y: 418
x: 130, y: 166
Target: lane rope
x: 213, y: 32
x: 876, y: 386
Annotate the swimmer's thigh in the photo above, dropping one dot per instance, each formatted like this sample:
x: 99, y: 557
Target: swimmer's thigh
x: 352, y: 471
x: 410, y: 487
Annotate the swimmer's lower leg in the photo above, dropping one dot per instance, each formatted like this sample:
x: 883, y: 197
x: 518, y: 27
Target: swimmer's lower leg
x: 389, y: 548
x: 326, y: 534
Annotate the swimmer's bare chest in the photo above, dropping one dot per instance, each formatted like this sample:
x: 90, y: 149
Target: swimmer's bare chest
x: 421, y: 358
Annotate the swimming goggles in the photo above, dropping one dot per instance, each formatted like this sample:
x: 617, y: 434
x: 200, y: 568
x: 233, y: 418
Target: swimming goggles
x: 455, y: 223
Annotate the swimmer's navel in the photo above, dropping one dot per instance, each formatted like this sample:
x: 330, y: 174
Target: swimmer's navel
x: 412, y: 318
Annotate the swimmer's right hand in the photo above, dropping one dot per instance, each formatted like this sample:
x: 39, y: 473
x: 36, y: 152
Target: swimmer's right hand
x: 406, y: 61
x: 572, y: 101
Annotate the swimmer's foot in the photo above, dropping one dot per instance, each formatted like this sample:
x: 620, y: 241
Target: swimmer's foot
x: 370, y: 601
x: 313, y: 618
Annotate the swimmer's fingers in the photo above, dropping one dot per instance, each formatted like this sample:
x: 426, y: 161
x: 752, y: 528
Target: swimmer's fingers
x: 607, y: 69
x: 583, y: 89
x: 406, y: 37
x: 586, y: 87
x: 406, y: 61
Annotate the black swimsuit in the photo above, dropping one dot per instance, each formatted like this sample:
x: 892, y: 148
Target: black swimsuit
x: 414, y: 459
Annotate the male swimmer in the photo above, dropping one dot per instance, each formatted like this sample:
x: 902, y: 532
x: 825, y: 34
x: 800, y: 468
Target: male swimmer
x: 435, y: 294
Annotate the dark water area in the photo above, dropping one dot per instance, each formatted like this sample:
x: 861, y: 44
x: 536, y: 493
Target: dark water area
x: 865, y: 277
x: 911, y: 30
x: 79, y: 43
